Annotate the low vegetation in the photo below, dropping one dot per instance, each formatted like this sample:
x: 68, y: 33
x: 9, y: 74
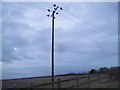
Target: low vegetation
x: 101, y: 78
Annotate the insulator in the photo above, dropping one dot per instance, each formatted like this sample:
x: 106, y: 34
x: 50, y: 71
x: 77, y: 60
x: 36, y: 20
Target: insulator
x: 61, y: 8
x: 48, y: 10
x: 48, y: 15
x: 54, y: 5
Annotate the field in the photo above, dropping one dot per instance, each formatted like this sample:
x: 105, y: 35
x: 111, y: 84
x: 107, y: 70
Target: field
x: 66, y: 81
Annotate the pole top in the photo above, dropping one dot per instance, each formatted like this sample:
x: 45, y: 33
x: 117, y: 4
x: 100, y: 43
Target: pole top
x: 54, y: 11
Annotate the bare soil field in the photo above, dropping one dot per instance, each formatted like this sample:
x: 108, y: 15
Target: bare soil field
x: 68, y: 81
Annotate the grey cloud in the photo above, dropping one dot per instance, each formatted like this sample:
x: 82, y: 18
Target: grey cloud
x: 90, y: 44
x: 40, y: 44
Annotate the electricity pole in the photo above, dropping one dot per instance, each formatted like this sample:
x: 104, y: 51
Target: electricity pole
x: 53, y: 17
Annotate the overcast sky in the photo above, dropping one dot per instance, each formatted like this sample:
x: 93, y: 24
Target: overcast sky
x: 86, y: 37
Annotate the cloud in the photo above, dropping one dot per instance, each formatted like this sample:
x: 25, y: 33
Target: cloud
x: 85, y: 37
x: 60, y: 1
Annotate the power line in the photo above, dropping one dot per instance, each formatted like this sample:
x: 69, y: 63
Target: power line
x: 63, y: 16
x: 88, y: 29
x: 37, y: 7
x: 95, y: 30
x: 22, y: 10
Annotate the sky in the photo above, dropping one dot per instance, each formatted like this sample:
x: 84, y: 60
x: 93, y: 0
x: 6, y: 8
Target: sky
x: 86, y: 37
x: 60, y: 0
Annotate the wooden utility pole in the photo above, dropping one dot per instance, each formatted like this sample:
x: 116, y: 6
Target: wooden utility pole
x: 53, y: 17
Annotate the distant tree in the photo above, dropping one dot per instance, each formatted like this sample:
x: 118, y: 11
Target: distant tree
x: 103, y: 69
x: 92, y: 71
x: 71, y: 73
x: 114, y: 73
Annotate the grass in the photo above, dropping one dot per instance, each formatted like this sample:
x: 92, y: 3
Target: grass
x: 96, y: 78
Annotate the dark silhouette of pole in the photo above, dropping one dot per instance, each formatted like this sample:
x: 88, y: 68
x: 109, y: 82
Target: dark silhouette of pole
x: 53, y: 17
x: 53, y: 50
